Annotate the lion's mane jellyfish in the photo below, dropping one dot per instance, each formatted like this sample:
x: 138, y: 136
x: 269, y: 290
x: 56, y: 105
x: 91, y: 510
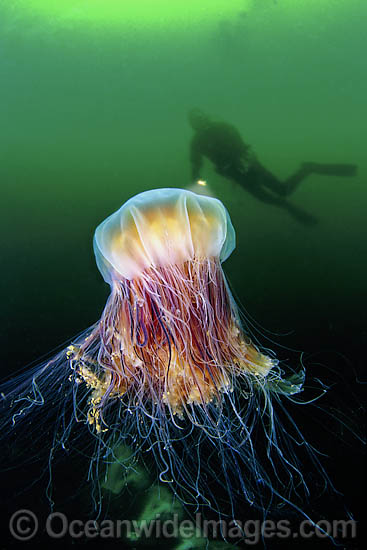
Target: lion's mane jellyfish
x: 169, y: 341
x: 168, y: 368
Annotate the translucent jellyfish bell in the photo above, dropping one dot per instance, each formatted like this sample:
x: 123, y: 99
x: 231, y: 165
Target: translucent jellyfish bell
x: 162, y: 227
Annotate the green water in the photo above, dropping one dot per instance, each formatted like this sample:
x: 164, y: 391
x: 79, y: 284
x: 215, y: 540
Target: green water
x: 93, y: 110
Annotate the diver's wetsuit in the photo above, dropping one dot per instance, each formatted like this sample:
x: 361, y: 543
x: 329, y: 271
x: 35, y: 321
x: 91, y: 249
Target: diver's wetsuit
x: 223, y: 145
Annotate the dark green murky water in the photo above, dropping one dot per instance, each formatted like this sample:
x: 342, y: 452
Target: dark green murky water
x: 93, y: 110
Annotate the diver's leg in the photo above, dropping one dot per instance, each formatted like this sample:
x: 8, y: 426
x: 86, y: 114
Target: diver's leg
x: 268, y: 198
x: 251, y: 183
x: 307, y: 168
x: 299, y: 214
x: 254, y: 181
x: 293, y: 181
x: 267, y: 179
x: 260, y: 193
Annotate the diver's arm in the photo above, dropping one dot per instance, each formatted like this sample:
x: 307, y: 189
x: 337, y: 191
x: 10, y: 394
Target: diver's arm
x: 196, y: 160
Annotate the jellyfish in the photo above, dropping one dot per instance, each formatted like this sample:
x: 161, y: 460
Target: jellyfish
x: 169, y: 370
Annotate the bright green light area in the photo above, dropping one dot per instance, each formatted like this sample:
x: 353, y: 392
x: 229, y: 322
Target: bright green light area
x: 147, y: 12
x: 167, y: 15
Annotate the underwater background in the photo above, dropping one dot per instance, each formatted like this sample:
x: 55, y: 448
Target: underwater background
x: 94, y: 101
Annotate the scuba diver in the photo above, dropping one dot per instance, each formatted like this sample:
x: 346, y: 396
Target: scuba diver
x: 223, y: 145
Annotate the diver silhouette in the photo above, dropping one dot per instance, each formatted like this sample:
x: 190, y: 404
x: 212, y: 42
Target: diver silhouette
x: 233, y: 159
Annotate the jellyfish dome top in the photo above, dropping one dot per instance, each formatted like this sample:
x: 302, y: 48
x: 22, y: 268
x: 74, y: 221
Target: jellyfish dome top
x: 168, y: 368
x: 161, y: 228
